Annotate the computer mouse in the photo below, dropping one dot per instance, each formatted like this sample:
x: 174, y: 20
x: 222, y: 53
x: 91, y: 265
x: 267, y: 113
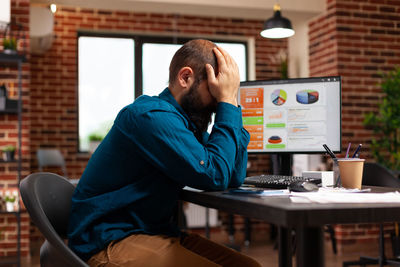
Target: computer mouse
x: 301, y: 186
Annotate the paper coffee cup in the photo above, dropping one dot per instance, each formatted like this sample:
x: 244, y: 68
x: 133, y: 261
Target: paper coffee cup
x: 351, y: 172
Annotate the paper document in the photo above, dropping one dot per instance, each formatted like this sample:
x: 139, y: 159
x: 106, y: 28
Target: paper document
x: 343, y: 190
x: 344, y: 196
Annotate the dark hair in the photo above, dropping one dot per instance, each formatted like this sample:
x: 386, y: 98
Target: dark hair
x: 194, y: 54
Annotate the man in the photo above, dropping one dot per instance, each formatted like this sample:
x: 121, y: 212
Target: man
x: 122, y: 207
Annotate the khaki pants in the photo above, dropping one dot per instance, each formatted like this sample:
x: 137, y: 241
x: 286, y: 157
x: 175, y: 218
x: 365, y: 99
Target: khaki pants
x: 161, y: 251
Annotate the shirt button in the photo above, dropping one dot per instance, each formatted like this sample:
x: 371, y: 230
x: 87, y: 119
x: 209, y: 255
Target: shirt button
x: 201, y: 162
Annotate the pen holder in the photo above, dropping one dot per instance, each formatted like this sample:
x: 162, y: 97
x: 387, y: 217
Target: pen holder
x: 336, y: 173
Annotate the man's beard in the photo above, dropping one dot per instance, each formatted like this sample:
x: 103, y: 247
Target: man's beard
x: 199, y: 114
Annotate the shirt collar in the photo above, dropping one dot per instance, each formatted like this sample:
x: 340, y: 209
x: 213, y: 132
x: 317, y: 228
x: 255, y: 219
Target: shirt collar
x: 167, y: 96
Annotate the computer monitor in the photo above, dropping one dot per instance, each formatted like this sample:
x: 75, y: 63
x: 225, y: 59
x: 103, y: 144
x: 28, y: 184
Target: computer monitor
x: 292, y: 115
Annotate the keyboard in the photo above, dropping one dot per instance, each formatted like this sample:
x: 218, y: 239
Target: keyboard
x: 277, y: 181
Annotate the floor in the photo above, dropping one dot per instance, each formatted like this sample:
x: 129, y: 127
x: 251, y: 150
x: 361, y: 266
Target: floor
x: 263, y: 251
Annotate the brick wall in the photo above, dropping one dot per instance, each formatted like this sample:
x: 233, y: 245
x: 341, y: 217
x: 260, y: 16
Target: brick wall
x: 356, y: 40
x: 9, y: 135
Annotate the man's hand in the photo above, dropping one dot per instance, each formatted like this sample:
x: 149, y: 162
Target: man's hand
x: 224, y: 87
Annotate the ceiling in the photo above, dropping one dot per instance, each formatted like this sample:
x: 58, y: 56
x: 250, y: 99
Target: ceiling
x: 255, y: 9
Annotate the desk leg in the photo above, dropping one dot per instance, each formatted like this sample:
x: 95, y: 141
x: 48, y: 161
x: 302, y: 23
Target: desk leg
x: 180, y: 216
x: 207, y: 223
x: 285, y: 248
x: 310, y: 247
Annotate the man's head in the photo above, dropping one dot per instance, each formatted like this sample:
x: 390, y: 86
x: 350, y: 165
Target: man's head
x: 188, y: 80
x: 194, y: 54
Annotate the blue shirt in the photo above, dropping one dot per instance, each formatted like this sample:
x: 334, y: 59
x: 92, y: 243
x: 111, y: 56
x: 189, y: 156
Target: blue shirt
x: 132, y: 182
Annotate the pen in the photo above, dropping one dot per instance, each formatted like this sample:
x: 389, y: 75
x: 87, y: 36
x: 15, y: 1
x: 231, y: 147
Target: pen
x: 329, y: 151
x: 338, y: 181
x: 348, y: 148
x: 334, y: 163
x: 357, y: 149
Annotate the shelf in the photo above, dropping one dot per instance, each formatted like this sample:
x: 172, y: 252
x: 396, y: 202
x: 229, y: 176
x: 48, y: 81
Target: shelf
x: 11, y: 106
x: 9, y: 111
x: 8, y: 58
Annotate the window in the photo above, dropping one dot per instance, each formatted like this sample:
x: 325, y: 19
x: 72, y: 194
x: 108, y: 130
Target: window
x: 106, y: 80
x: 157, y: 57
x: 114, y: 70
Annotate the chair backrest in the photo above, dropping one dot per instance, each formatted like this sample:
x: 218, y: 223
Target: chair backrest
x: 375, y: 174
x: 51, y: 158
x: 47, y: 198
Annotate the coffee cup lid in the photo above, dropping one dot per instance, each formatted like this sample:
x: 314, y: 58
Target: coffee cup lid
x: 350, y: 159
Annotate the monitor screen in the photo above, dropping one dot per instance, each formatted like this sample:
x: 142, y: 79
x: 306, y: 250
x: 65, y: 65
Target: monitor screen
x: 293, y: 115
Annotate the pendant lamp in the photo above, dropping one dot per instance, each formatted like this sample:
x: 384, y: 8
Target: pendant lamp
x: 277, y: 26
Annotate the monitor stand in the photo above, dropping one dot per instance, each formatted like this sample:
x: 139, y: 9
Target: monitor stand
x: 282, y: 163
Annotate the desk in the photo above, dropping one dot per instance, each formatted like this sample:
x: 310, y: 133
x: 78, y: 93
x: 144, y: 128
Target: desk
x: 307, y: 219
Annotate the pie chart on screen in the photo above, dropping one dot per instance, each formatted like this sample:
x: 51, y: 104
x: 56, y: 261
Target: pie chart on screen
x: 278, y: 97
x: 274, y: 139
x: 307, y: 96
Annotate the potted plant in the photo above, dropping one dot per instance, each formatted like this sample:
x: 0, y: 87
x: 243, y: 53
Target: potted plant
x: 8, y: 153
x: 385, y: 145
x: 94, y: 141
x: 12, y: 34
x: 10, y: 45
x: 10, y: 200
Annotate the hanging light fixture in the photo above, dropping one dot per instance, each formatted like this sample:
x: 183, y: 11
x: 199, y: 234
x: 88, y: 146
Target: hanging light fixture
x: 53, y: 8
x: 277, y: 26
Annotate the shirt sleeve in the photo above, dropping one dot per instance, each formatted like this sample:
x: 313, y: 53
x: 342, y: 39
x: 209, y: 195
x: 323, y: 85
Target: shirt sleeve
x: 240, y: 166
x: 163, y: 138
x: 239, y: 171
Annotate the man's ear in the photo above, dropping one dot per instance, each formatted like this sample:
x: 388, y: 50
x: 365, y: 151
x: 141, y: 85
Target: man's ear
x: 185, y: 77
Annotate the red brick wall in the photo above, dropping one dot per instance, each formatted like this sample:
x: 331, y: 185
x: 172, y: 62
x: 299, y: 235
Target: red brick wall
x: 54, y: 74
x: 9, y: 135
x: 356, y: 40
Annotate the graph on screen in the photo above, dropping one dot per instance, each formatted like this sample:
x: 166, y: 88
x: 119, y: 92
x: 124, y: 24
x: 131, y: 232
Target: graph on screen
x: 294, y: 115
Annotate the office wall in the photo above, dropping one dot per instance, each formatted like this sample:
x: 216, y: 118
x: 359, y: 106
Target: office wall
x: 356, y: 40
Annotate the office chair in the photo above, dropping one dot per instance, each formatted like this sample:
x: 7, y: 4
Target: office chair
x: 375, y: 174
x: 51, y: 158
x: 47, y: 198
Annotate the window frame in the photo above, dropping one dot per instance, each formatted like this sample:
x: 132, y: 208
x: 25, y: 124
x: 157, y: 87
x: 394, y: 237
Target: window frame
x: 139, y: 41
